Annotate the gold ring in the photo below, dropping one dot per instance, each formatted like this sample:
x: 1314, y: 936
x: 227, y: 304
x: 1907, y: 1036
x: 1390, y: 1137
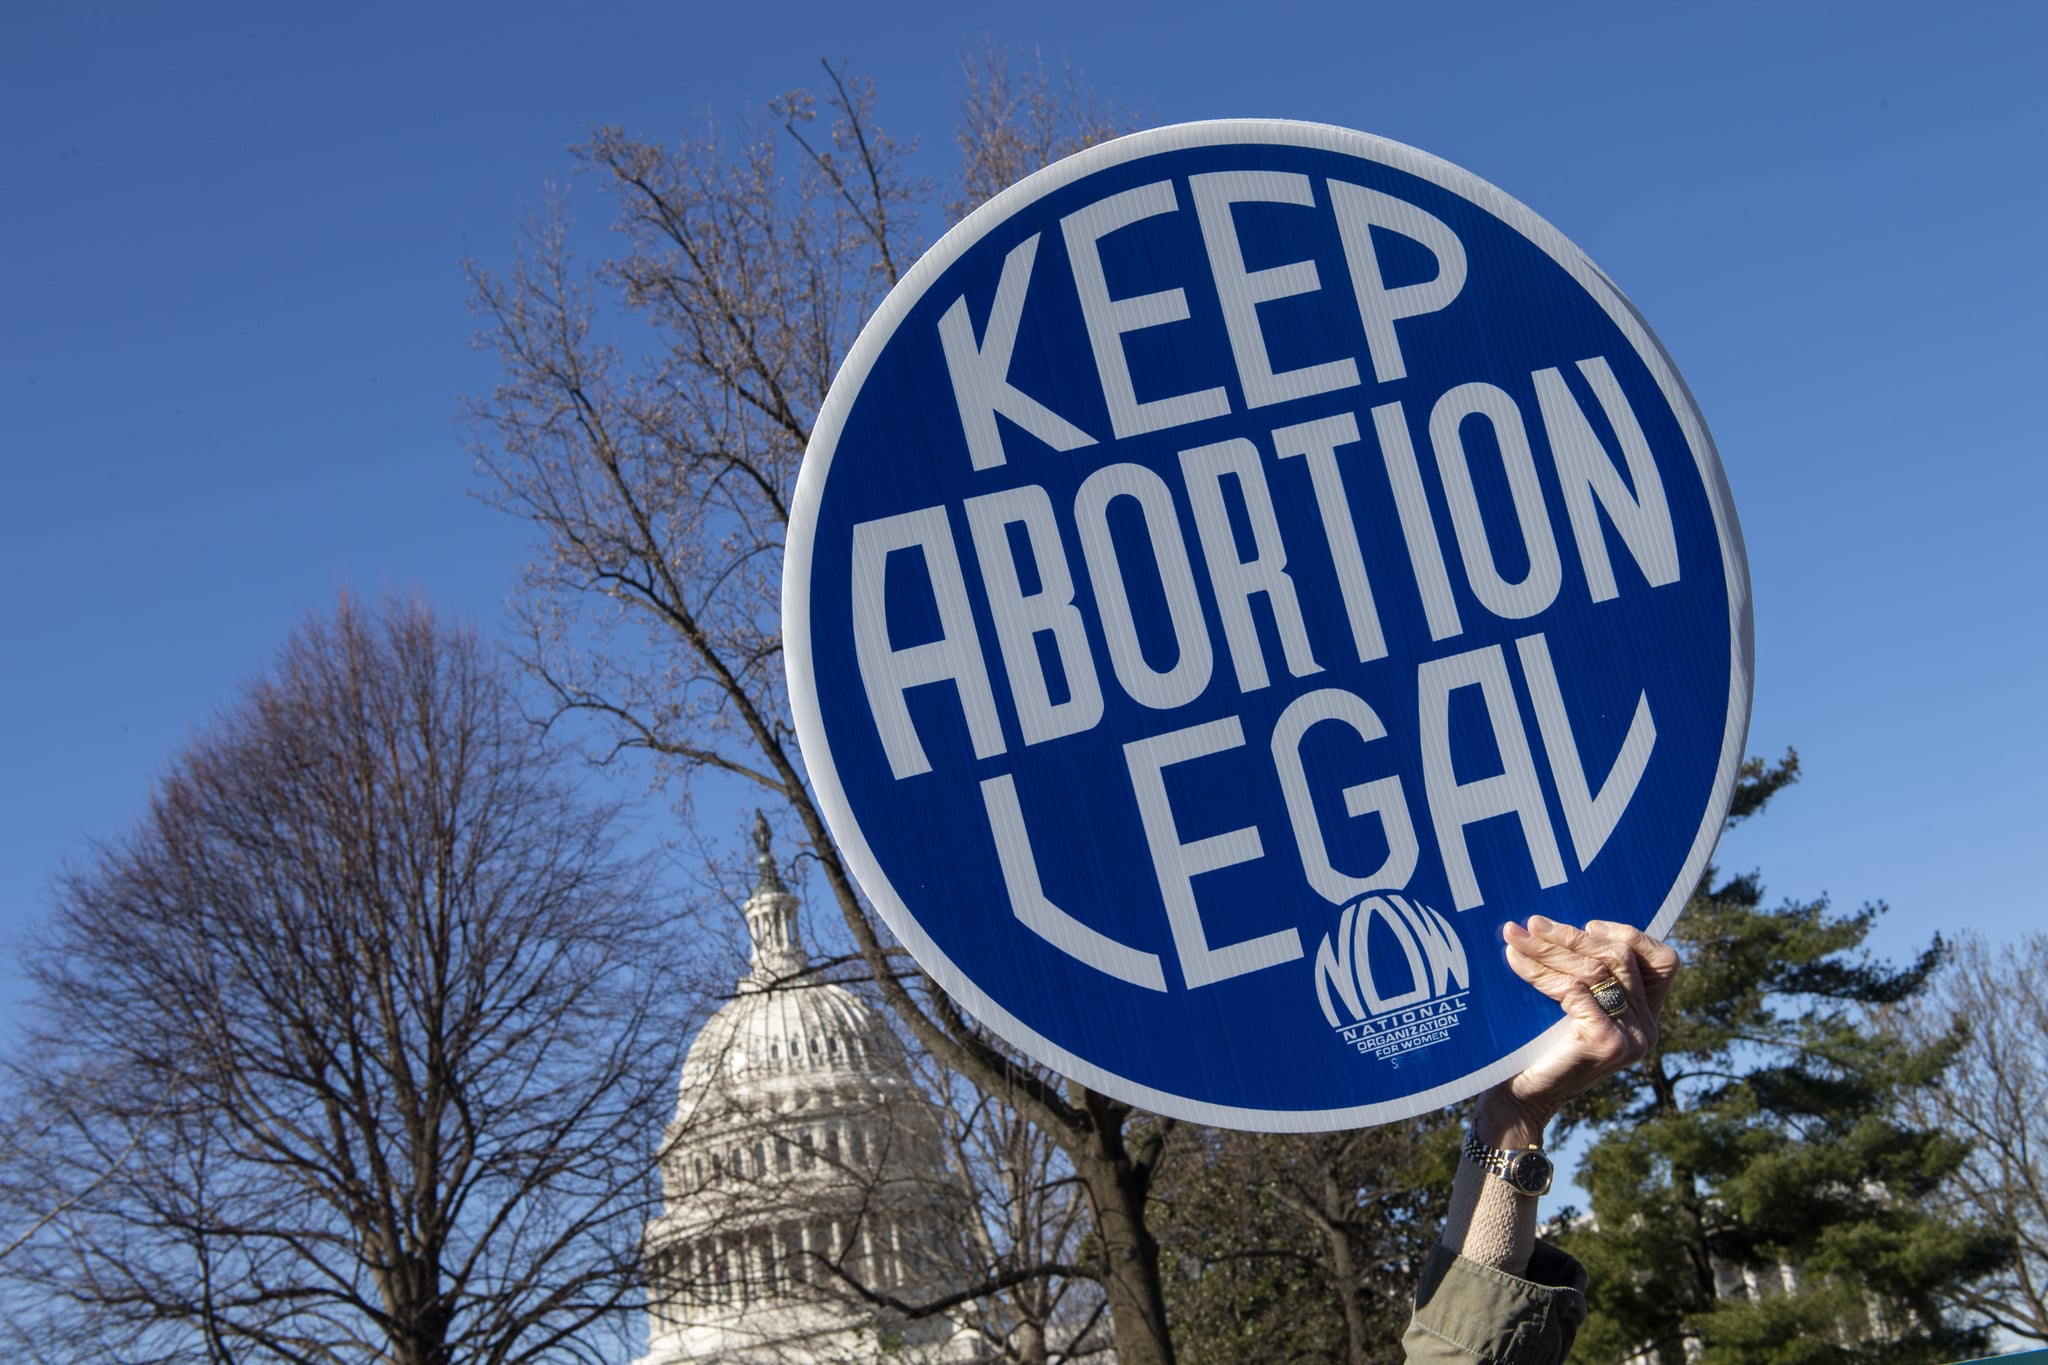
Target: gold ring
x: 1609, y: 996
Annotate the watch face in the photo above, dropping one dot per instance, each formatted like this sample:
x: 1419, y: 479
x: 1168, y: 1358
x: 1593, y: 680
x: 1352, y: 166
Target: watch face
x: 1528, y: 1172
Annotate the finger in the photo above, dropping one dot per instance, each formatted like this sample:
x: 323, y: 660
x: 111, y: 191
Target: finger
x: 1552, y: 983
x: 1604, y: 942
x: 1544, y: 976
x: 1567, y: 990
x: 1635, y: 1026
x: 1645, y: 992
x: 1601, y: 1043
x: 1657, y: 961
x: 1559, y: 947
x: 1593, y: 1021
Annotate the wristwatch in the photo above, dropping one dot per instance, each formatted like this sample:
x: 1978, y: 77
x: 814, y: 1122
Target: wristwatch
x: 1526, y: 1170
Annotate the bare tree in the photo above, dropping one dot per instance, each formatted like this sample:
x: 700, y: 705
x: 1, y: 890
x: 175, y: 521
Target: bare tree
x: 1303, y: 1247
x: 353, y: 1048
x: 1015, y: 118
x: 1995, y: 1097
x: 660, y: 485
x: 1025, y: 1232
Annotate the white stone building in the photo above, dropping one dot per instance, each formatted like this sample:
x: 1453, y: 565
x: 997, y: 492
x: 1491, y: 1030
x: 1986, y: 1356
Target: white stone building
x: 801, y: 1161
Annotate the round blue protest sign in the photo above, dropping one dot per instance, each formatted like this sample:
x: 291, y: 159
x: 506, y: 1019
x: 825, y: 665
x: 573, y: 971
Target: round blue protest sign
x: 1236, y: 570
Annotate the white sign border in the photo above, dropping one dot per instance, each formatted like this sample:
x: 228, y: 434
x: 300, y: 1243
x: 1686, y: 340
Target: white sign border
x: 817, y: 464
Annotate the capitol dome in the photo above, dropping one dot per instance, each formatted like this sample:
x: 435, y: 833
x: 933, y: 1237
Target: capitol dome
x: 802, y: 1029
x: 802, y: 1167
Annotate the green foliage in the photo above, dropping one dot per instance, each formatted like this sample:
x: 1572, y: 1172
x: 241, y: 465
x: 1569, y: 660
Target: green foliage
x: 1754, y: 1199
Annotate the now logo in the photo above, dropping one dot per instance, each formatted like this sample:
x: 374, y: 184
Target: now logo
x: 1433, y: 955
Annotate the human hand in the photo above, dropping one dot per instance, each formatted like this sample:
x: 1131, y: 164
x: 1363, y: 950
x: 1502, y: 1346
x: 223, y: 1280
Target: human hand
x: 1564, y: 963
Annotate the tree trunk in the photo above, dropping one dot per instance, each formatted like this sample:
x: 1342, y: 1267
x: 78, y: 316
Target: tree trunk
x: 1117, y: 1188
x: 1693, y: 1232
x: 418, y: 1331
x: 1343, y: 1270
x: 1699, y: 1257
x: 1031, y: 1343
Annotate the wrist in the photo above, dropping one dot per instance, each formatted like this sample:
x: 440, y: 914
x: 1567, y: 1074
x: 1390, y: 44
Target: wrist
x: 1500, y: 1120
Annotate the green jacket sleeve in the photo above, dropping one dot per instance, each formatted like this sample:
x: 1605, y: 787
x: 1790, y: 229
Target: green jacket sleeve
x: 1467, y: 1312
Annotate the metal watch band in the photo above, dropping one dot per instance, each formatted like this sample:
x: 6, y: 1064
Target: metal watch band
x: 1510, y: 1165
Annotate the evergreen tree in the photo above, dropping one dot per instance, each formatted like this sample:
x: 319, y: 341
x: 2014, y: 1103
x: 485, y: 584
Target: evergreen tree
x: 1754, y: 1196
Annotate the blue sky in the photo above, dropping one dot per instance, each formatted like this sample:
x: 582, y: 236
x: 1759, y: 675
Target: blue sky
x: 233, y: 338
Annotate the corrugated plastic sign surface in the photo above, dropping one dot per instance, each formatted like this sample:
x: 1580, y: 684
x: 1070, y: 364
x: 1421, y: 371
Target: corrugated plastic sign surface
x: 1236, y: 570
